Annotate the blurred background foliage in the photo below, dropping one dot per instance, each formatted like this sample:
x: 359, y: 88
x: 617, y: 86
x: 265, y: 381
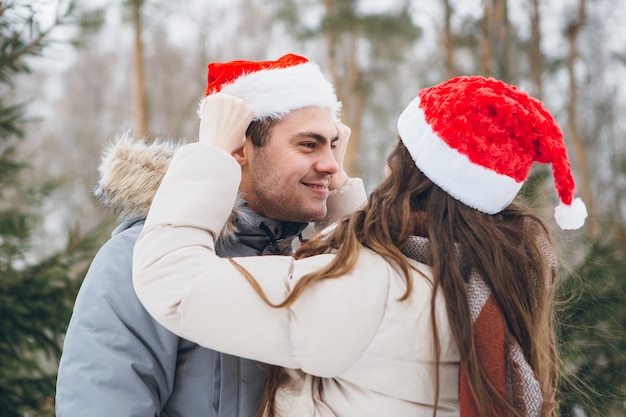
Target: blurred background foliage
x: 73, y: 75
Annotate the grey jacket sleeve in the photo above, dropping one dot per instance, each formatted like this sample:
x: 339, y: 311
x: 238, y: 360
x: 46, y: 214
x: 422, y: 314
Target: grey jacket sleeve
x: 116, y: 361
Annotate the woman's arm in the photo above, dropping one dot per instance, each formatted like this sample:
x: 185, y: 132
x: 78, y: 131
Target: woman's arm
x: 196, y: 294
x: 192, y: 292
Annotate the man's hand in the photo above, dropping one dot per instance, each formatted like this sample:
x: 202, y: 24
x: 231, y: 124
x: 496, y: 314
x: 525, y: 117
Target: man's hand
x: 340, y: 178
x: 224, y: 121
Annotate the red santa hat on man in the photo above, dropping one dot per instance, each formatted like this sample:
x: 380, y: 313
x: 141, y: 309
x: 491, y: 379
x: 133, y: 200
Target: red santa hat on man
x: 273, y: 88
x: 477, y: 139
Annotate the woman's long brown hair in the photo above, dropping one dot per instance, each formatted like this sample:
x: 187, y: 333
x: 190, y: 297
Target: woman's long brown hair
x: 504, y: 249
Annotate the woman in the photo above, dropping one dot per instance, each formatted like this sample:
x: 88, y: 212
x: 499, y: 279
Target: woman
x: 433, y: 298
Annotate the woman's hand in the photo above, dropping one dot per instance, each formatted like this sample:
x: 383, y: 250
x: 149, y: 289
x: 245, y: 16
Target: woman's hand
x: 340, y: 178
x: 224, y: 121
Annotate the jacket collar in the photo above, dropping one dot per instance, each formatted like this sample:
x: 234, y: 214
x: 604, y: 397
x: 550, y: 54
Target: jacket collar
x: 259, y: 235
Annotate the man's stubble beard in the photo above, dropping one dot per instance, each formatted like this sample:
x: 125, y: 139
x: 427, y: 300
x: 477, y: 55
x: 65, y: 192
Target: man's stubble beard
x: 275, y: 202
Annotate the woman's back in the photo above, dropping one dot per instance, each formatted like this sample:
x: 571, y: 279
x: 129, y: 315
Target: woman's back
x: 395, y: 372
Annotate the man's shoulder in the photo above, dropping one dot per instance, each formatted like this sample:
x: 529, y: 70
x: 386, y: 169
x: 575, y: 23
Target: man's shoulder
x: 123, y: 237
x: 128, y: 229
x: 113, y: 262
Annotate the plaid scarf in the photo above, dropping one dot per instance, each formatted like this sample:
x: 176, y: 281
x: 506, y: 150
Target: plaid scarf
x: 499, y: 354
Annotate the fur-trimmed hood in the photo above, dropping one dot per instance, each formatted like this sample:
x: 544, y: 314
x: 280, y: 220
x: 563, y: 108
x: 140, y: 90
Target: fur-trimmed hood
x: 131, y: 171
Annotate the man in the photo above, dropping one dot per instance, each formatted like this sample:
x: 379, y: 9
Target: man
x: 118, y: 361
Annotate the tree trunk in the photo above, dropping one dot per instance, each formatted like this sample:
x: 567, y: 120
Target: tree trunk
x: 486, y: 52
x: 448, y: 40
x: 140, y: 101
x: 355, y: 99
x: 347, y: 77
x: 574, y: 134
x: 495, y: 42
x: 501, y: 39
x: 535, y: 56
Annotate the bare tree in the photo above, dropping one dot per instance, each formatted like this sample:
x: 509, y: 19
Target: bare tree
x: 496, y: 44
x: 140, y: 99
x: 572, y: 32
x: 535, y: 56
x: 348, y: 77
x: 448, y: 39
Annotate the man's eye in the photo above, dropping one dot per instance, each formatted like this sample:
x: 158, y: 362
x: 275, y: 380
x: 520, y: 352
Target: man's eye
x: 310, y: 145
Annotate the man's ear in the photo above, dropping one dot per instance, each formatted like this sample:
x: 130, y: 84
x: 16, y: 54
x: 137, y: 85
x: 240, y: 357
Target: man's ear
x: 240, y: 155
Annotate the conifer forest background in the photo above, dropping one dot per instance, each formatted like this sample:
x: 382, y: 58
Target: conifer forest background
x: 76, y: 73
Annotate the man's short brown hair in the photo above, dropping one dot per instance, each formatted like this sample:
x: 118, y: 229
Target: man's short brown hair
x: 259, y: 132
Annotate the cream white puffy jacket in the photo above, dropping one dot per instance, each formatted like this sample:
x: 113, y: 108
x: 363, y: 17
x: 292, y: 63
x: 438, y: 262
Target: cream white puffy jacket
x: 372, y: 352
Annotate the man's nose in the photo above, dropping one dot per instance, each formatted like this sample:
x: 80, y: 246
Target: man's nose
x: 327, y: 162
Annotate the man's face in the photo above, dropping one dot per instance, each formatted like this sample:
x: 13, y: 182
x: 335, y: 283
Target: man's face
x: 287, y: 179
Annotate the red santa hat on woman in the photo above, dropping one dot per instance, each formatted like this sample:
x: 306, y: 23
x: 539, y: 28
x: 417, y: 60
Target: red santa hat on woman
x: 273, y: 88
x: 477, y: 139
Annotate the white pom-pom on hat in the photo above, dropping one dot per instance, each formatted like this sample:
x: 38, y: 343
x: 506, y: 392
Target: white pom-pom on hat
x: 571, y: 217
